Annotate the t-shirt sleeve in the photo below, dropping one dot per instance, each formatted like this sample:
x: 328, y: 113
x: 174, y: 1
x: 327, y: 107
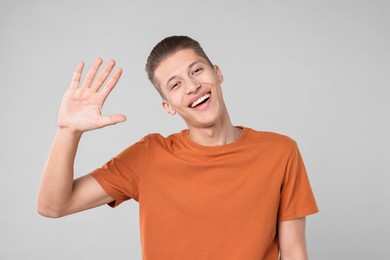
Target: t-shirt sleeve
x: 120, y: 176
x: 297, y: 198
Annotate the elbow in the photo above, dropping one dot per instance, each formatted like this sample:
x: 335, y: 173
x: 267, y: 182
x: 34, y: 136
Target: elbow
x: 48, y: 211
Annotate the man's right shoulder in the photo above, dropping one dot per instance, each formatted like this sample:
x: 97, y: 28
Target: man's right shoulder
x: 156, y: 139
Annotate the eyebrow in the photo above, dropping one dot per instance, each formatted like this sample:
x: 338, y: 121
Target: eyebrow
x: 188, y: 68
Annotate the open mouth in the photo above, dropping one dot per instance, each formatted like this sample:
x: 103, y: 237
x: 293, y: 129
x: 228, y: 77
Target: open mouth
x: 203, y: 99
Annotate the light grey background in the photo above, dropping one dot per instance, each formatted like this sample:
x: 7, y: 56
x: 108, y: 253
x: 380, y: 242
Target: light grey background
x: 317, y: 71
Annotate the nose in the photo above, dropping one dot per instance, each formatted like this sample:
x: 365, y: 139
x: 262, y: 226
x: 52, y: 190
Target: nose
x: 192, y: 86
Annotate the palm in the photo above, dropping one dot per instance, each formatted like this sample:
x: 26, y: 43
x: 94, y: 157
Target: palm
x: 81, y: 106
x: 81, y: 111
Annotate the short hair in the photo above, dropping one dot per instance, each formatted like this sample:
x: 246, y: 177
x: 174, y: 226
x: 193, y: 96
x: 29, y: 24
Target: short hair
x: 166, y: 48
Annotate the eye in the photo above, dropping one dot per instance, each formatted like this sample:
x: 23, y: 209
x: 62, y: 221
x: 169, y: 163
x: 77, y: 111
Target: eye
x: 197, y: 71
x: 175, y: 85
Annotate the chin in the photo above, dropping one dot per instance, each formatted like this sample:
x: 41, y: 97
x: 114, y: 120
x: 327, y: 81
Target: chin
x: 203, y: 122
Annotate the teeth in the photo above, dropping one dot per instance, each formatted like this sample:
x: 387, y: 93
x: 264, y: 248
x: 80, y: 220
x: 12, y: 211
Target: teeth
x: 199, y: 100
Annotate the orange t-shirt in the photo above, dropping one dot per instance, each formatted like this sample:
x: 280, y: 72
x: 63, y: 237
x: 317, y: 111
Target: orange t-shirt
x: 219, y: 202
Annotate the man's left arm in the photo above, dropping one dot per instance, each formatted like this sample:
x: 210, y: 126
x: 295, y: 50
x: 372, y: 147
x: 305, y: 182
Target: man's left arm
x: 292, y: 239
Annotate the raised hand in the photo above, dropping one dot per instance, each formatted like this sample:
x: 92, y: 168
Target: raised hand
x: 81, y: 107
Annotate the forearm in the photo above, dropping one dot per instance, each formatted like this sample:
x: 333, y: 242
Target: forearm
x: 57, y: 181
x: 80, y: 111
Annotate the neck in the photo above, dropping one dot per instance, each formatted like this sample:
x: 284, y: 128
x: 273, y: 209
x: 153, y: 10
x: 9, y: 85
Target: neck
x: 220, y: 133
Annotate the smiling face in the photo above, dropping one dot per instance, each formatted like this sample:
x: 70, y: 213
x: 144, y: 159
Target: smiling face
x: 191, y: 88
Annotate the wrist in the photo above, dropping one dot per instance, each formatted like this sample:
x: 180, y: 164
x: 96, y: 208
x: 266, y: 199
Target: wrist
x: 69, y: 133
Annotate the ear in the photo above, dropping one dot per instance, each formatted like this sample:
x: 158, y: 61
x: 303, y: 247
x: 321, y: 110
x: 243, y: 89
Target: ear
x: 218, y: 72
x: 167, y: 107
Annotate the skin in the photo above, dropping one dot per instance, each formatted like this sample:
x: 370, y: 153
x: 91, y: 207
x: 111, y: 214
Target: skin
x: 292, y: 239
x: 80, y: 111
x: 183, y: 77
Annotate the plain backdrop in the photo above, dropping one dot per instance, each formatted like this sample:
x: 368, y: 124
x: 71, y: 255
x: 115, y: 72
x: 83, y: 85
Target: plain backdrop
x: 317, y: 71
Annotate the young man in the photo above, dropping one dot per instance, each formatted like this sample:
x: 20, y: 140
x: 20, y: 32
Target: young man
x: 212, y: 191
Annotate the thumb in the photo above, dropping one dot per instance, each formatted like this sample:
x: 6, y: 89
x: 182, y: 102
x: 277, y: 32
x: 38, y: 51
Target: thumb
x: 112, y: 119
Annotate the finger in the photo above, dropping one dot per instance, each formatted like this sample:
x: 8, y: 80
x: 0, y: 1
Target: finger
x: 111, y: 83
x: 103, y: 75
x: 77, y: 75
x: 111, y: 120
x: 92, y: 73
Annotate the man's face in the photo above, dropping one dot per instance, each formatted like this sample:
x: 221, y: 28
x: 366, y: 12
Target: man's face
x: 191, y: 88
